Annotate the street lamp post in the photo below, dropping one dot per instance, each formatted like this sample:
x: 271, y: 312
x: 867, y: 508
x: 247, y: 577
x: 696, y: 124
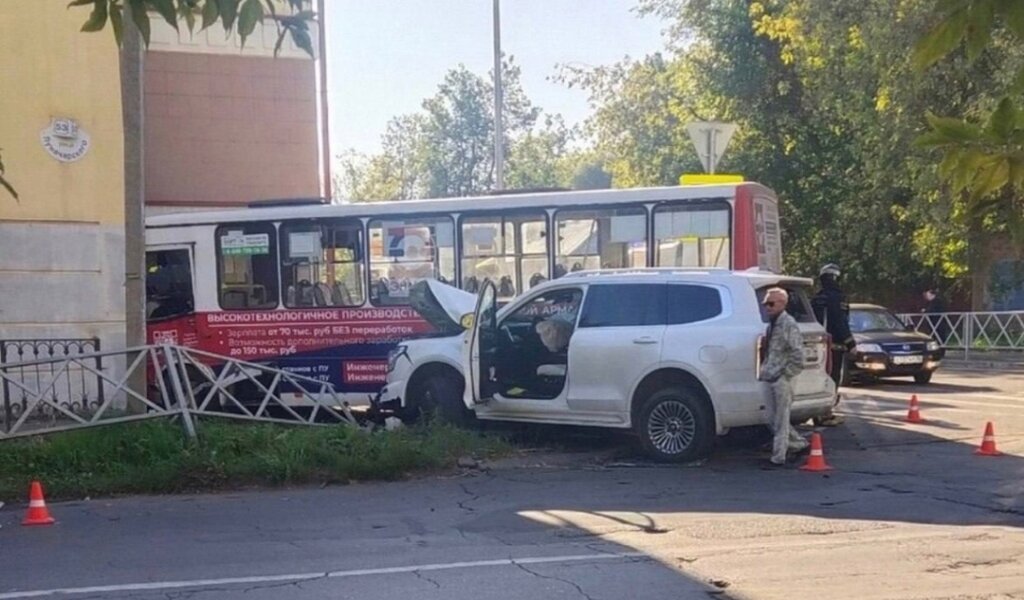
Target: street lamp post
x: 499, y: 149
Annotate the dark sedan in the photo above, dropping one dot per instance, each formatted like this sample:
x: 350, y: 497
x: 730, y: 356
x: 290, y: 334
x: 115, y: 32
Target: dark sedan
x: 885, y: 348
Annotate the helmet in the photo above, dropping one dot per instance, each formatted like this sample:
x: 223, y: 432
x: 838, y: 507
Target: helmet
x: 830, y: 269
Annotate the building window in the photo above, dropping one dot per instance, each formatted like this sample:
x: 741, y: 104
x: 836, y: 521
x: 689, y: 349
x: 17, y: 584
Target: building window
x: 601, y: 239
x: 510, y: 251
x: 322, y: 264
x: 406, y: 251
x: 687, y: 236
x: 247, y: 266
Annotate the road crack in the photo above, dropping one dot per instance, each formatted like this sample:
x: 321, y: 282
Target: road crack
x: 420, y: 575
x: 574, y: 585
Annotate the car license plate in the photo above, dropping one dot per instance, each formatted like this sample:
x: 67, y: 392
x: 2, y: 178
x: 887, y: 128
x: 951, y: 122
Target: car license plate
x: 907, y: 360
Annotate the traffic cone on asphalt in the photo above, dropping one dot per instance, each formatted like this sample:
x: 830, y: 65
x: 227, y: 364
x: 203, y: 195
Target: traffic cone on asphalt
x: 816, y: 461
x: 988, y: 442
x: 914, y: 414
x: 37, y: 513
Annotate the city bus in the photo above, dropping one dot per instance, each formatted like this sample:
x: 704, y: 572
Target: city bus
x: 323, y: 290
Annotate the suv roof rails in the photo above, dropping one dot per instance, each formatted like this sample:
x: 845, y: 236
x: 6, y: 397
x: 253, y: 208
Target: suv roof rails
x: 279, y: 202
x: 528, y: 190
x: 664, y: 271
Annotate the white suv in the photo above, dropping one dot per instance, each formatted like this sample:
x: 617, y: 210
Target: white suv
x: 672, y: 354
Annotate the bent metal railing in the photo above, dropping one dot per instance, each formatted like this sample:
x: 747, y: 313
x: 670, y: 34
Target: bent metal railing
x: 177, y: 382
x: 972, y: 331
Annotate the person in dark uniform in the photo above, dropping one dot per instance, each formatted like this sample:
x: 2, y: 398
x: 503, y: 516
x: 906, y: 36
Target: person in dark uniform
x: 833, y: 312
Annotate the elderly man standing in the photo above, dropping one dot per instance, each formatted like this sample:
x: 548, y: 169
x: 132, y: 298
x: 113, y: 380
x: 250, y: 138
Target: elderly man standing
x: 782, y: 359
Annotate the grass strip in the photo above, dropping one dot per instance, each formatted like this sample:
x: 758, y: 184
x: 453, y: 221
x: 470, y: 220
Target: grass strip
x: 153, y: 457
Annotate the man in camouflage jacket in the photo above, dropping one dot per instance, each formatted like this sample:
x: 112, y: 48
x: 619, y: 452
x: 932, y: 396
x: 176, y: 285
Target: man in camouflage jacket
x: 782, y: 359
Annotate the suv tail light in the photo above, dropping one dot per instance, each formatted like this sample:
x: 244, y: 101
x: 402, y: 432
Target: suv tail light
x: 827, y: 340
x: 757, y: 356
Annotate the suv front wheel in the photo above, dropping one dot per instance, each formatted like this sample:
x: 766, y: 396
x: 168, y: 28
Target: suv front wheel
x: 675, y: 425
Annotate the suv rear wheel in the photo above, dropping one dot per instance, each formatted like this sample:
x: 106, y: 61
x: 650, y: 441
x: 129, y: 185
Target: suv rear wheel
x: 675, y: 425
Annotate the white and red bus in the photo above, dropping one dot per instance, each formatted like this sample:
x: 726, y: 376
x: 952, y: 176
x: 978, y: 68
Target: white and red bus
x: 323, y: 290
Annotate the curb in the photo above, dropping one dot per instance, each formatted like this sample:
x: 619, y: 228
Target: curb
x: 992, y: 365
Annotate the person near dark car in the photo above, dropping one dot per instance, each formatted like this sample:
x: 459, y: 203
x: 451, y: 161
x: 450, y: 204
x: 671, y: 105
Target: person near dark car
x: 833, y: 312
x: 782, y: 359
x: 933, y: 309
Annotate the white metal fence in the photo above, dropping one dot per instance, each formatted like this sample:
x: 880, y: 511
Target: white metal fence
x: 972, y: 331
x: 157, y: 382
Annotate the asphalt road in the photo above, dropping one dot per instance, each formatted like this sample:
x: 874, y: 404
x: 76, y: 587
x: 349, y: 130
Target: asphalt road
x: 908, y: 512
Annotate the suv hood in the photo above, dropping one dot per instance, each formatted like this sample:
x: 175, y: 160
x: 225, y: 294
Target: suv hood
x: 441, y: 305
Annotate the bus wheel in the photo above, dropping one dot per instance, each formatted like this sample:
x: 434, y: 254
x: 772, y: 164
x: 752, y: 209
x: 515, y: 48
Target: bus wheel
x: 438, y: 396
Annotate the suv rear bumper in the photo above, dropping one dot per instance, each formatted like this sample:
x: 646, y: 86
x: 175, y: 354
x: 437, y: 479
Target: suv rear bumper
x: 810, y: 406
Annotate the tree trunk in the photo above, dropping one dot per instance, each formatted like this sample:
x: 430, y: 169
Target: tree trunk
x: 132, y: 57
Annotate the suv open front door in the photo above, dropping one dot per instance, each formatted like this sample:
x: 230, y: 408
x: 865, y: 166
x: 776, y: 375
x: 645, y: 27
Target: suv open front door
x: 478, y: 346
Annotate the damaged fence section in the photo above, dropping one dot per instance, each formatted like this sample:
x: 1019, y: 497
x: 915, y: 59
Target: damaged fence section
x: 73, y: 388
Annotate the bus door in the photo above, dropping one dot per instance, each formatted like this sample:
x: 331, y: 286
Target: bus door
x: 170, y: 295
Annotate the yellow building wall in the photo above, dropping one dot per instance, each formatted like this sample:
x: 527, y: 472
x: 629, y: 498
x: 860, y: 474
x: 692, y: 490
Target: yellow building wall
x: 48, y: 69
x: 62, y: 242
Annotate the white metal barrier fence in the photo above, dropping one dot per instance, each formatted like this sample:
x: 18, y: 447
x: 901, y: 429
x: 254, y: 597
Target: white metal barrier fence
x: 972, y: 331
x: 175, y: 382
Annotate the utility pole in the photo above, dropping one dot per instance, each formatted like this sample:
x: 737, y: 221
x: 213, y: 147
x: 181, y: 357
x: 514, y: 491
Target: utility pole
x: 132, y: 57
x: 499, y: 146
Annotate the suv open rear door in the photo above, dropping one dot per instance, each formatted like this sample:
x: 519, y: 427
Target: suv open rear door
x: 478, y: 346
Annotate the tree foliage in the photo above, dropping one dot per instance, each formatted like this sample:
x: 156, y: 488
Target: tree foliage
x: 829, y: 106
x: 447, y: 149
x: 983, y: 155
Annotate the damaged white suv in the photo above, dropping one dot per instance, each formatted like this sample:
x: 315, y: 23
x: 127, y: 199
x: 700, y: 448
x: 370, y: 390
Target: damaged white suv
x: 672, y: 354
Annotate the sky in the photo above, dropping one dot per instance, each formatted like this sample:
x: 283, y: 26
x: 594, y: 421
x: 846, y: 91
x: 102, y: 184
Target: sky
x: 385, y: 56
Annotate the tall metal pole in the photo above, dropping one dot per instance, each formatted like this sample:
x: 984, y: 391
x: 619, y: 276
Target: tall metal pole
x: 499, y: 146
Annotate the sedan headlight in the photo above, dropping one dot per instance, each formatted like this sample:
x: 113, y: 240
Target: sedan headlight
x: 933, y: 346
x: 866, y: 348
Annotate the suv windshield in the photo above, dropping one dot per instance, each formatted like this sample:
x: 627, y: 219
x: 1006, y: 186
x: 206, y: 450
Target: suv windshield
x: 874, y: 320
x: 799, y: 306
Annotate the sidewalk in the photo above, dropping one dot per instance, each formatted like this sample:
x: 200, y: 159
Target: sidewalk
x: 977, y: 359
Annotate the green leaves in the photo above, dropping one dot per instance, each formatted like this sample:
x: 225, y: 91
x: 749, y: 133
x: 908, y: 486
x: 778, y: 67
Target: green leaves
x: 970, y: 21
x: 98, y: 17
x: 211, y: 12
x: 941, y: 40
x: 242, y: 16
x: 249, y: 18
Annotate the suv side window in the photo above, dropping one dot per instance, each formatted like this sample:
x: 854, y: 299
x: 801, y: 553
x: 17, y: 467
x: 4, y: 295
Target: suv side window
x: 799, y: 303
x: 624, y: 305
x: 692, y: 303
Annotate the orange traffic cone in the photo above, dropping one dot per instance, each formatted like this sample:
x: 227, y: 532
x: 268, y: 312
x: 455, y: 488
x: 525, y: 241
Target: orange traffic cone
x: 37, y: 513
x: 816, y: 461
x: 914, y: 414
x: 988, y: 442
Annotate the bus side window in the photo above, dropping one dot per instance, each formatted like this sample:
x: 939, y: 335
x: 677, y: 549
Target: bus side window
x: 247, y: 266
x: 322, y: 264
x: 692, y: 236
x: 607, y: 238
x: 168, y: 284
x: 406, y: 251
x: 511, y: 251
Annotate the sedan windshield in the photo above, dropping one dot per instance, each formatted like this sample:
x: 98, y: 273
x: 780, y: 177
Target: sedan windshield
x: 874, y: 320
